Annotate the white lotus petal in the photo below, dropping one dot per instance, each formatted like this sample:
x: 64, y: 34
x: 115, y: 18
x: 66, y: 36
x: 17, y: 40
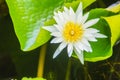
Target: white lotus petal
x: 85, y: 17
x: 66, y: 14
x: 56, y: 40
x: 58, y: 21
x: 55, y: 14
x: 92, y: 38
x: 72, y: 15
x: 66, y: 17
x: 90, y: 23
x: 80, y: 56
x: 79, y: 46
x: 87, y: 34
x: 79, y: 9
x: 63, y: 45
x: 66, y: 10
x: 92, y: 30
x: 56, y: 34
x: 70, y: 49
x: 88, y: 49
x: 60, y: 28
x: 98, y: 35
x: 85, y: 47
x: 59, y: 49
x: 79, y: 19
x: 85, y: 41
x: 50, y: 28
x: 60, y: 14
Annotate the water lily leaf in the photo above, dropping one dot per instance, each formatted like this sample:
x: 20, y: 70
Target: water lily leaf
x: 28, y: 16
x: 102, y: 48
x: 75, y: 4
x: 114, y: 23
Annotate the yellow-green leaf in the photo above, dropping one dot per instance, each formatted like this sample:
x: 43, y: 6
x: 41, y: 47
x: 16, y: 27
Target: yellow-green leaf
x: 114, y: 23
x: 74, y: 4
x: 28, y: 17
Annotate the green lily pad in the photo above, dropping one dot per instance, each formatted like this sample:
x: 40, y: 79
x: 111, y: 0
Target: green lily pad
x: 28, y: 17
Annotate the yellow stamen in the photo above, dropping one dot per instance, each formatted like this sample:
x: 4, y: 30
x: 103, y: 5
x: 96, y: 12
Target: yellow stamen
x: 72, y: 32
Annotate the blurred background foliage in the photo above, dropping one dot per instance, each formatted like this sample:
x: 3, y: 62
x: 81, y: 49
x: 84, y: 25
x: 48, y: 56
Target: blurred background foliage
x: 15, y: 63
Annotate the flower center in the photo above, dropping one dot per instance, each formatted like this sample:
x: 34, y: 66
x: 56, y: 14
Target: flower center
x: 72, y: 32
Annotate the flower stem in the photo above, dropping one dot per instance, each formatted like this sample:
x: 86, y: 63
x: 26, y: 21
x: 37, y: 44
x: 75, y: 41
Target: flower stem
x: 41, y: 60
x: 85, y: 71
x: 87, y: 76
x: 67, y: 77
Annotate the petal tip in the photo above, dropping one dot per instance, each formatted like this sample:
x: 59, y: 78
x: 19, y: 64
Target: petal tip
x: 54, y: 57
x: 97, y: 19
